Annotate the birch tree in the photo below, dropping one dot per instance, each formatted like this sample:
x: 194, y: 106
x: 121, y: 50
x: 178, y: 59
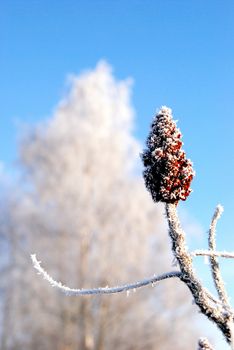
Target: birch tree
x: 84, y: 209
x: 168, y: 174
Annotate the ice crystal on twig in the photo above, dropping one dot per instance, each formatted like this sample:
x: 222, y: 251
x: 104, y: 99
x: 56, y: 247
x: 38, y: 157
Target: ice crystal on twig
x: 168, y: 173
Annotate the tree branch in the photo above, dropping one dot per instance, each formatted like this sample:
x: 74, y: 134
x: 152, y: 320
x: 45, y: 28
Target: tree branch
x: 220, y: 254
x: 104, y: 290
x: 217, y: 278
x: 217, y: 314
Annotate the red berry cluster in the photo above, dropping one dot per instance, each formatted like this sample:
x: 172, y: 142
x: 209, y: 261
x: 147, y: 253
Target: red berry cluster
x: 168, y: 173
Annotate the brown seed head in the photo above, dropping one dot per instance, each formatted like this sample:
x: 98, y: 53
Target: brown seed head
x: 168, y: 173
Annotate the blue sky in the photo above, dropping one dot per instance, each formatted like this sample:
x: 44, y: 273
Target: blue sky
x: 180, y: 53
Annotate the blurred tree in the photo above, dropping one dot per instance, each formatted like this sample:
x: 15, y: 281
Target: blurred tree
x: 83, y: 208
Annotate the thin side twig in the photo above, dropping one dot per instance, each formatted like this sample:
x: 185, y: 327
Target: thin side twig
x: 101, y: 290
x: 215, y: 269
x: 212, y: 298
x: 220, y: 254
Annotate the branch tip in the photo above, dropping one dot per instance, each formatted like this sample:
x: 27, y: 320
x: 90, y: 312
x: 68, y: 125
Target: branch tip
x: 101, y: 290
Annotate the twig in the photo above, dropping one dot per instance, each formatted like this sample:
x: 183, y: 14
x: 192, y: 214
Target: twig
x: 212, y: 298
x: 217, y: 278
x: 104, y: 290
x: 220, y: 254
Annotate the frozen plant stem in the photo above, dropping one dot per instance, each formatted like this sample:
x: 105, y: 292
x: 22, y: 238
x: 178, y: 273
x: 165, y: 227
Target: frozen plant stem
x: 101, y: 290
x: 220, y: 254
x: 215, y: 269
x: 215, y: 310
x: 219, y: 315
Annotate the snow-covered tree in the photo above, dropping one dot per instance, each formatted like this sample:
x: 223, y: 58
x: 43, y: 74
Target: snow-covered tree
x: 84, y: 209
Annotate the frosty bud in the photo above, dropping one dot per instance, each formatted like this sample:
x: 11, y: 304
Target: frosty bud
x: 168, y: 173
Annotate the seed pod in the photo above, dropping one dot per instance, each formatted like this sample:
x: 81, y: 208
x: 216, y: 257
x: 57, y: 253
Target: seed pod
x: 168, y: 173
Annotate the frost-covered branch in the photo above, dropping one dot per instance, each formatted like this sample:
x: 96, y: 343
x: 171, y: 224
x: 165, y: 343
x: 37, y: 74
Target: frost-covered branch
x: 216, y: 314
x: 220, y: 254
x: 217, y: 278
x: 102, y: 290
x: 212, y: 298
